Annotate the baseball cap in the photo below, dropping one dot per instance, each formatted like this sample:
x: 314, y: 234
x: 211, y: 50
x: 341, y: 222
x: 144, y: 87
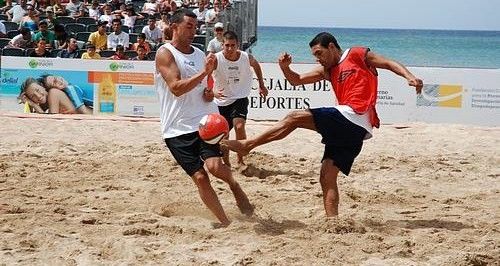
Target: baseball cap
x: 218, y: 25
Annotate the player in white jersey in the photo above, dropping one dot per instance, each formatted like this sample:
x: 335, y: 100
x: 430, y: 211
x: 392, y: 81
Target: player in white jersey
x: 233, y: 80
x: 180, y: 80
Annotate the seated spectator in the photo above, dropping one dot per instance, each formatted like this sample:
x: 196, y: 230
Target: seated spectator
x: 51, y: 19
x: 130, y: 17
x: 75, y: 9
x: 17, y: 12
x: 118, y: 37
x: 3, y: 31
x: 71, y: 51
x: 114, y: 5
x: 201, y: 11
x: 119, y: 53
x: 108, y: 15
x: 60, y: 37
x: 58, y: 8
x: 215, y: 45
x: 41, y: 49
x: 91, y: 52
x: 153, y: 33
x: 94, y: 10
x: 150, y: 7
x: 141, y: 41
x: 141, y: 53
x: 44, y: 33
x: 30, y: 20
x: 212, y: 15
x: 99, y: 38
x: 22, y: 40
x: 164, y: 21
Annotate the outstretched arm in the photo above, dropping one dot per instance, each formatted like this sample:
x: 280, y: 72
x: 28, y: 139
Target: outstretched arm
x: 379, y: 61
x: 258, y: 72
x: 168, y: 69
x: 317, y: 74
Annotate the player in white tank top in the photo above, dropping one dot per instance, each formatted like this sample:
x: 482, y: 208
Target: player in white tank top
x: 233, y: 80
x: 180, y: 80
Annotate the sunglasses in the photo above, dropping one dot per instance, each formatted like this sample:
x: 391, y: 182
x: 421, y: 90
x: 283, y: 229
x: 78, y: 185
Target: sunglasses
x: 219, y: 29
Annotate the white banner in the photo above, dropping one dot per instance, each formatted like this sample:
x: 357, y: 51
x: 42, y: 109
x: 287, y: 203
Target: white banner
x: 450, y: 95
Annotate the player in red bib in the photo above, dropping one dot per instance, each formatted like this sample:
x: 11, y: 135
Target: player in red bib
x: 353, y: 74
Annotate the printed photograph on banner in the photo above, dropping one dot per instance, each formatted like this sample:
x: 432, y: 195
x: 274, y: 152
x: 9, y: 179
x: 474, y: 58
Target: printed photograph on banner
x: 441, y: 95
x: 51, y: 85
x: 44, y: 91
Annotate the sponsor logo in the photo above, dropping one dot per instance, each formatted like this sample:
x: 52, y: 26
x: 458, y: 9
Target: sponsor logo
x: 115, y: 66
x: 441, y: 96
x: 37, y: 63
x: 190, y: 63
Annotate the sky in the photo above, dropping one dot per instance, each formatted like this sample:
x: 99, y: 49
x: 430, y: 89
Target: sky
x: 394, y: 14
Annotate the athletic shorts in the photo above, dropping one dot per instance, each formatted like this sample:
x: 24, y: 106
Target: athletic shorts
x: 343, y: 139
x: 238, y: 109
x: 191, y: 152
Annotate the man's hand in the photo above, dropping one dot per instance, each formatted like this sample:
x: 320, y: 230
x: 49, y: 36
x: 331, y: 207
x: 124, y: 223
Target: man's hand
x: 284, y: 60
x: 417, y: 83
x: 263, y: 92
x: 208, y: 95
x: 210, y: 63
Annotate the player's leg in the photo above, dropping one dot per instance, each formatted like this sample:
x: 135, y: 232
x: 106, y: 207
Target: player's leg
x: 328, y: 180
x: 225, y: 112
x: 186, y: 151
x: 294, y: 120
x: 220, y: 170
x: 241, y: 134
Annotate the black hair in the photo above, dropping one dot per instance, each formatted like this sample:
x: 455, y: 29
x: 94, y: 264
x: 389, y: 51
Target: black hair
x: 24, y: 30
x: 230, y: 35
x: 142, y: 35
x: 178, y: 16
x: 117, y: 20
x: 324, y: 39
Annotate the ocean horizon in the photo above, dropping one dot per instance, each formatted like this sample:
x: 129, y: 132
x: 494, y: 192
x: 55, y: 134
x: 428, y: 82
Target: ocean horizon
x: 412, y: 47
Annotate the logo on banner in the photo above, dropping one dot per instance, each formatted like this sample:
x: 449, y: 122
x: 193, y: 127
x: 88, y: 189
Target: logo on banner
x: 121, y: 66
x: 8, y: 79
x: 441, y: 96
x: 36, y: 63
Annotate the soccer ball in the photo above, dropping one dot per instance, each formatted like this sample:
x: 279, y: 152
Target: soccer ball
x: 213, y: 127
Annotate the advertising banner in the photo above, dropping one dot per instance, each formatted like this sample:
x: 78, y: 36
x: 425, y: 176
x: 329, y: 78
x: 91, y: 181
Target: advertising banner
x: 104, y: 86
x: 450, y: 95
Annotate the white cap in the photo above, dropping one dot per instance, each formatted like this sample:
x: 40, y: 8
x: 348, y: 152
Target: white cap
x: 218, y: 25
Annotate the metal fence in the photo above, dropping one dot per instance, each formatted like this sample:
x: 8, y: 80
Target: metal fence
x: 240, y: 17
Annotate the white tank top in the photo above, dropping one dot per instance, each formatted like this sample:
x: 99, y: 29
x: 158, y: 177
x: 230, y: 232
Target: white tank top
x: 181, y: 115
x: 233, y: 77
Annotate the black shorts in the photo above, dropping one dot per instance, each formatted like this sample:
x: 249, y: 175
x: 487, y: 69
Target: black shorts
x: 238, y: 109
x: 343, y: 139
x: 190, y: 151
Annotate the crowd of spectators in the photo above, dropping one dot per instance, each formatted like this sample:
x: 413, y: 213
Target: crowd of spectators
x: 98, y: 29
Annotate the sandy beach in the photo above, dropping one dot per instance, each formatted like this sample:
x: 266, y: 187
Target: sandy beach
x: 77, y: 191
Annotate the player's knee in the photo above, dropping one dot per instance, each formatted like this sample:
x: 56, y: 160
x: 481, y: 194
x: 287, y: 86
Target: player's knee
x: 201, y: 178
x: 239, y: 126
x: 294, y: 117
x: 213, y: 164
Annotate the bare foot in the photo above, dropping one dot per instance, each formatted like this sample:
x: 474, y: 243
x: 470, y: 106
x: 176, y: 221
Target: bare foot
x: 239, y: 146
x: 246, y: 208
x: 220, y: 225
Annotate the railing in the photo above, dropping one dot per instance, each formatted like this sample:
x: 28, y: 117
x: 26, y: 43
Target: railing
x: 241, y: 18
